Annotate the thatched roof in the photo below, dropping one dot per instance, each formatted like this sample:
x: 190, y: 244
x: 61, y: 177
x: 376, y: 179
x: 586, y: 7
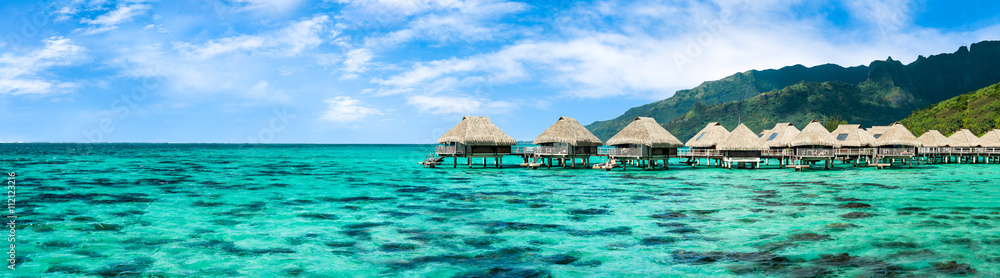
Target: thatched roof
x: 780, y: 135
x: 814, y: 134
x: 990, y: 139
x: 742, y: 139
x: 645, y: 131
x: 963, y: 139
x: 477, y: 131
x: 853, y: 136
x: 897, y: 135
x: 568, y: 130
x: 708, y: 137
x: 933, y: 138
x: 877, y: 131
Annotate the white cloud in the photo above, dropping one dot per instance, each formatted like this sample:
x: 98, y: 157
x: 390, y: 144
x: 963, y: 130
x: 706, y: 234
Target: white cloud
x: 356, y: 61
x: 260, y: 68
x: 343, y: 109
x: 123, y: 13
x: 287, y: 41
x: 383, y: 24
x: 403, y: 7
x: 458, y: 105
x: 888, y: 16
x: 264, y: 92
x: 23, y: 74
x: 279, y: 6
x: 157, y: 28
x: 32, y: 86
x: 654, y: 53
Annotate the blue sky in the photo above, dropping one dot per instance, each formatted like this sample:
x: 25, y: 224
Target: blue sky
x: 394, y: 71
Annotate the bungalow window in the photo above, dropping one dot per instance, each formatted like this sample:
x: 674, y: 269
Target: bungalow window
x: 773, y: 135
x: 842, y: 137
x: 699, y: 136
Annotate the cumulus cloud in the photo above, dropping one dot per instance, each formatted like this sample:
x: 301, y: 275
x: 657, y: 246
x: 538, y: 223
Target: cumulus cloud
x: 344, y: 109
x: 23, y: 74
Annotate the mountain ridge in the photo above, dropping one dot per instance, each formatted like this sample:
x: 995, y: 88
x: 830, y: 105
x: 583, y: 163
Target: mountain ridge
x: 712, y: 92
x: 889, y: 87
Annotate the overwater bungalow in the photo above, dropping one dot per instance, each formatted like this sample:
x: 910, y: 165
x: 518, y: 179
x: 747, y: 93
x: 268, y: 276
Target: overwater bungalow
x: 990, y: 143
x: 780, y: 135
x: 933, y: 139
x: 814, y: 143
x: 964, y: 139
x: 990, y: 140
x: 933, y: 142
x: 475, y: 137
x: 741, y: 148
x: 855, y: 144
x: 702, y: 145
x: 960, y: 146
x: 777, y: 139
x: 644, y: 142
x: 566, y: 139
x: 896, y: 144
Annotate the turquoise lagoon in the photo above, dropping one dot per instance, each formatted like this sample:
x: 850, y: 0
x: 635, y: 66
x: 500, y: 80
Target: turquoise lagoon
x: 218, y: 210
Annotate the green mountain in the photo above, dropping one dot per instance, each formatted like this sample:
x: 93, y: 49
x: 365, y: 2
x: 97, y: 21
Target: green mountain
x: 738, y: 86
x: 797, y: 104
x: 977, y: 111
x: 888, y: 91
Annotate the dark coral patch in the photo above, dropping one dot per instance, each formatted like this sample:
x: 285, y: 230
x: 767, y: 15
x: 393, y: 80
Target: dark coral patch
x: 855, y: 215
x: 669, y: 215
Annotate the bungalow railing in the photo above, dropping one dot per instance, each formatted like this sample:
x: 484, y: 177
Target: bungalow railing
x: 854, y: 152
x: 960, y: 151
x: 552, y: 150
x: 636, y: 152
x: 696, y: 152
x: 929, y: 150
x: 814, y: 152
x: 522, y: 149
x: 604, y: 150
x: 776, y: 153
x: 897, y: 151
x: 449, y: 150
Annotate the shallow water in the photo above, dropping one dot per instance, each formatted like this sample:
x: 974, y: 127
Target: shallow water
x: 176, y: 210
